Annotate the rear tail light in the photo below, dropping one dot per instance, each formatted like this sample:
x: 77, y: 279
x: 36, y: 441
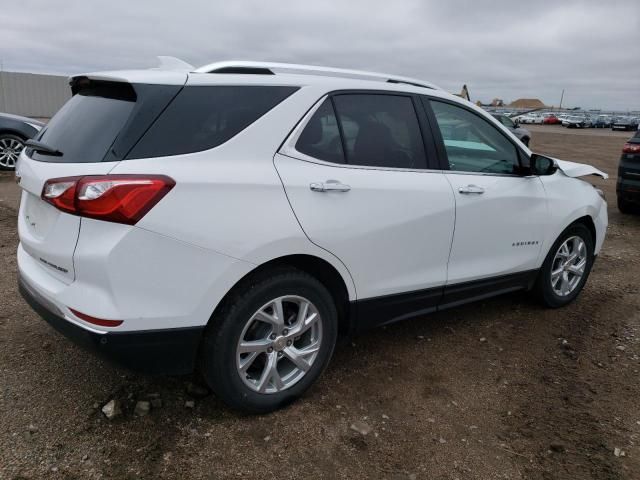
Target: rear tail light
x: 112, y: 198
x: 631, y: 148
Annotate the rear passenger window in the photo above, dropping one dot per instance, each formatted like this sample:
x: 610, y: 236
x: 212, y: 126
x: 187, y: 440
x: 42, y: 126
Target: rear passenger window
x: 380, y: 130
x: 321, y: 137
x: 203, y: 117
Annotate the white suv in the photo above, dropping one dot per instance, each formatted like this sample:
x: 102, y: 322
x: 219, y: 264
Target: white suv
x: 237, y: 217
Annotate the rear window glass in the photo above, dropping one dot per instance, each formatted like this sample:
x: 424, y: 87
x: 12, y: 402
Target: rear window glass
x: 203, y: 117
x: 86, y: 126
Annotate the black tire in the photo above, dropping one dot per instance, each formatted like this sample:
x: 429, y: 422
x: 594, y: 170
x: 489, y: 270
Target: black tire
x: 218, y: 352
x: 624, y: 206
x: 12, y: 138
x: 543, y: 287
x: 525, y: 140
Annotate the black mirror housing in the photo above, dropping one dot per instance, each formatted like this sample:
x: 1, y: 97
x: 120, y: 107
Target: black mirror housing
x: 541, y: 165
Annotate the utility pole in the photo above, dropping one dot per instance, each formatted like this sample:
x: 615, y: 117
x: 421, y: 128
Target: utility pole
x: 561, y: 97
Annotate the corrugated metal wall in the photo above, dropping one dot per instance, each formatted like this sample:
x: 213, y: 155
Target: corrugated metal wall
x: 32, y: 95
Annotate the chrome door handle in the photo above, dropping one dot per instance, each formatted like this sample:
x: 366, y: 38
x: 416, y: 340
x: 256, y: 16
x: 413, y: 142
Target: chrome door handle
x: 329, y: 186
x: 471, y: 189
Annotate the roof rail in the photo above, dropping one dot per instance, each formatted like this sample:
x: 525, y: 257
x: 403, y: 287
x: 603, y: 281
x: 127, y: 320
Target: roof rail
x: 268, y: 68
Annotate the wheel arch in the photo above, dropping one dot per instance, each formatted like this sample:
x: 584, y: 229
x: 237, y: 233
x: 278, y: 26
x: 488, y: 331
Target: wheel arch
x: 588, y: 222
x: 313, y: 265
x: 10, y: 131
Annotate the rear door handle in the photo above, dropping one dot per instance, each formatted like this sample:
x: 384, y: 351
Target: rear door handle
x: 471, y: 189
x: 329, y: 186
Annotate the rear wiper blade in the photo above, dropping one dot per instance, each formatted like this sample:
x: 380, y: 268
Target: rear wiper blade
x: 42, y: 148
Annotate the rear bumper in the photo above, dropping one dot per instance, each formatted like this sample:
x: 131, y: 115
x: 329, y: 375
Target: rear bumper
x: 628, y: 189
x: 168, y: 351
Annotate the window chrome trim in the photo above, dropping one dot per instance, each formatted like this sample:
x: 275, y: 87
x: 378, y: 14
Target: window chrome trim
x: 288, y: 148
x: 488, y: 174
x: 306, y: 158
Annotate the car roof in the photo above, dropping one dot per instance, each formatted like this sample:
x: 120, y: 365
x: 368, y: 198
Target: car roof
x: 284, y: 74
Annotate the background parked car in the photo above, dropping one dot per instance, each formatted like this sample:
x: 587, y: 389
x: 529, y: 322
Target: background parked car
x: 625, y: 123
x: 551, y: 119
x: 522, y: 133
x: 601, y: 121
x: 628, y: 185
x: 530, y: 118
x: 14, y: 131
x: 576, y: 121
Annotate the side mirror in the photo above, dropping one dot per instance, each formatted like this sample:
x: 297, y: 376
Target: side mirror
x: 541, y: 165
x: 516, y: 122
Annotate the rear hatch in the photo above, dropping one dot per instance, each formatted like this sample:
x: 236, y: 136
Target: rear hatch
x: 92, y: 132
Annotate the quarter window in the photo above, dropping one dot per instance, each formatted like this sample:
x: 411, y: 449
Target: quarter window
x: 321, y: 137
x: 203, y: 117
x: 473, y: 144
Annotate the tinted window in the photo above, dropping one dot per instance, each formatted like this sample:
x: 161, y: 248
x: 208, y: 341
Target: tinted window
x: 472, y: 143
x: 321, y: 137
x: 380, y: 130
x: 87, y: 125
x: 203, y: 117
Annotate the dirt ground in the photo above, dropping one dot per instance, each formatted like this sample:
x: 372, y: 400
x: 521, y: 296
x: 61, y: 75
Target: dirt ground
x: 503, y: 389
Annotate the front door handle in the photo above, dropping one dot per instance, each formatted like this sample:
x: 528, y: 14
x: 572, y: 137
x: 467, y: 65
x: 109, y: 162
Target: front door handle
x: 329, y: 186
x: 471, y: 189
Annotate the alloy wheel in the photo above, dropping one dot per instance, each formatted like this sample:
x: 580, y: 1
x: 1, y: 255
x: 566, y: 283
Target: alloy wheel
x: 569, y: 265
x: 10, y: 149
x: 279, y: 344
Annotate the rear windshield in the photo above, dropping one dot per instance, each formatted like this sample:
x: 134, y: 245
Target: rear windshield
x: 111, y: 121
x: 203, y: 117
x: 87, y: 125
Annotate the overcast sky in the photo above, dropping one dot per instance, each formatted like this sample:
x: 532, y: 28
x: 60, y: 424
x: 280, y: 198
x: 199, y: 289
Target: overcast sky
x: 506, y: 49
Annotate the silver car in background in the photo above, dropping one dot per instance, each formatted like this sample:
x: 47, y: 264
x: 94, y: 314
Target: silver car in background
x: 522, y: 133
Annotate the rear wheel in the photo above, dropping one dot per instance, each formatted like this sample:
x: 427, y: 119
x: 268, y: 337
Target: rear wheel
x: 624, y: 206
x: 271, y: 340
x: 567, y: 267
x: 10, y: 148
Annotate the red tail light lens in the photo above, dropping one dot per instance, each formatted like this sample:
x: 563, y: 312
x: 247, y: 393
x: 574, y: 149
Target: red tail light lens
x: 631, y: 148
x: 112, y: 198
x: 96, y: 321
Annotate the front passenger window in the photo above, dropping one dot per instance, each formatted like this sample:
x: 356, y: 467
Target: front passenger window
x: 472, y: 143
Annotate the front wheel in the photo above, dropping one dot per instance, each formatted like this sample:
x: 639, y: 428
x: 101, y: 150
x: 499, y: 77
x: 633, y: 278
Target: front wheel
x: 567, y: 267
x: 270, y: 341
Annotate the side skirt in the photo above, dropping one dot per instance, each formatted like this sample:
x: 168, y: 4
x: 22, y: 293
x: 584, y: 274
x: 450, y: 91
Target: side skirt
x: 373, y: 312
